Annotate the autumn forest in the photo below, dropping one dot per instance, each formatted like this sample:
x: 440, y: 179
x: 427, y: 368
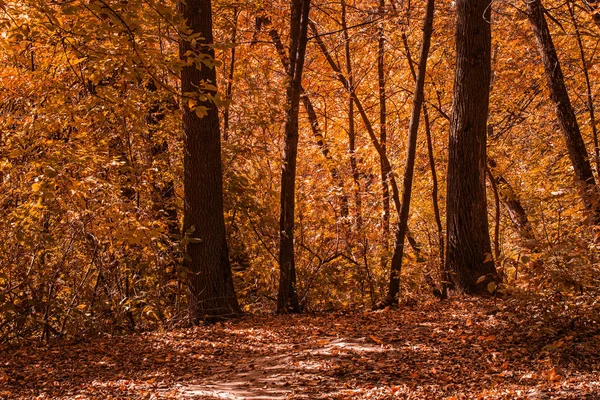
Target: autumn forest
x: 300, y: 199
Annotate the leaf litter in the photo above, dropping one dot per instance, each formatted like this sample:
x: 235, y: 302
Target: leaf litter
x: 459, y: 349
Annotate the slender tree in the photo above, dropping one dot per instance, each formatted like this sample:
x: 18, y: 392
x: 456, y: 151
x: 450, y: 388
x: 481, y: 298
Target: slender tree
x: 433, y: 170
x: 316, y: 129
x: 287, y: 297
x: 409, y: 166
x: 351, y: 121
x: 231, y: 74
x: 469, y: 253
x: 384, y: 160
x: 564, y: 110
x: 383, y: 133
x: 211, y: 293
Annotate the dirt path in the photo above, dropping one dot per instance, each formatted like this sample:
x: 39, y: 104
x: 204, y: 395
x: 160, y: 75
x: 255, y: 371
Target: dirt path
x: 454, y: 350
x: 273, y: 376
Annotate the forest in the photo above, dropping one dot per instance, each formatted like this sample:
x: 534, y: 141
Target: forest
x: 271, y: 199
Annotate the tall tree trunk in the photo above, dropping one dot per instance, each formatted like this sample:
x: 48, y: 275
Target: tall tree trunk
x: 394, y: 283
x: 316, y: 129
x: 434, y: 177
x: 469, y: 253
x: 385, y: 188
x: 211, y: 293
x: 497, y: 213
x: 351, y: 121
x: 287, y: 297
x: 564, y: 110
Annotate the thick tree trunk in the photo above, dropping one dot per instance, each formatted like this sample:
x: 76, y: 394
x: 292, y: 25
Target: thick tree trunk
x: 394, y: 283
x: 564, y: 110
x: 287, y: 297
x: 469, y: 253
x: 211, y: 293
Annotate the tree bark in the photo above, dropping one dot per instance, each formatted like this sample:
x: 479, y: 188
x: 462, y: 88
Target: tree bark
x: 564, y: 110
x: 469, y: 253
x: 287, y: 297
x: 394, y: 283
x: 211, y: 294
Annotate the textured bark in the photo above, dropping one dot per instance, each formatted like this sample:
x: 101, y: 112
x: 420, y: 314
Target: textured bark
x: 287, y: 297
x: 564, y: 110
x: 469, y: 253
x: 211, y: 293
x: 394, y: 283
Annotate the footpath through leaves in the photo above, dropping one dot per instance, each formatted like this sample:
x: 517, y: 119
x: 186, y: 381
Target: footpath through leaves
x: 461, y: 349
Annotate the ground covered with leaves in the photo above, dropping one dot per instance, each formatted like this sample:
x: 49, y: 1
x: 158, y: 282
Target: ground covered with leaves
x: 542, y: 348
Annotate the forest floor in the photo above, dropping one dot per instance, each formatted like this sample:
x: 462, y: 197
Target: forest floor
x: 458, y: 349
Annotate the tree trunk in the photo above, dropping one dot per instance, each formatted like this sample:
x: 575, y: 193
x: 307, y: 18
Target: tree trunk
x: 211, y: 293
x: 287, y: 297
x: 434, y: 177
x: 231, y: 75
x: 351, y: 121
x: 564, y: 110
x: 469, y: 253
x: 316, y: 129
x: 394, y: 283
x: 385, y: 188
